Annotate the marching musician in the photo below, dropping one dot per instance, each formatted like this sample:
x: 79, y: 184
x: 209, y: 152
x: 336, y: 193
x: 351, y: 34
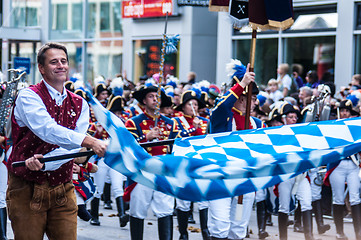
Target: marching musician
x: 191, y: 124
x: 229, y: 115
x: 339, y: 173
x: 300, y: 185
x: 116, y: 105
x: 47, y: 120
x: 147, y: 127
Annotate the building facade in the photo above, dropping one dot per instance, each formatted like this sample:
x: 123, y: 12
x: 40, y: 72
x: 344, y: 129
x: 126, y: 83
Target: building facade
x: 324, y: 38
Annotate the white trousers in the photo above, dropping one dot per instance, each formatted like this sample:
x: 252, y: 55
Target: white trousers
x: 303, y: 195
x: 3, y: 184
x: 315, y: 189
x: 142, y: 197
x: 222, y: 221
x: 116, y: 179
x: 346, y: 171
x: 185, y: 206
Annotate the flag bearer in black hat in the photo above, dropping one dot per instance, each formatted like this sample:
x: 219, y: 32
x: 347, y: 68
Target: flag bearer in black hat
x: 191, y: 124
x: 229, y: 115
x: 148, y: 127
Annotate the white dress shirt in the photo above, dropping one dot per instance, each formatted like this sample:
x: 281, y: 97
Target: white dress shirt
x: 30, y: 111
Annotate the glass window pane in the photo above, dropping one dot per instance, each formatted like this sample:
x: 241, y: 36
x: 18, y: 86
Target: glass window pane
x: 92, y: 19
x: 26, y: 50
x: 66, y: 19
x: 104, y: 58
x: 25, y: 13
x: 313, y: 53
x: 104, y: 16
x: 77, y: 15
x: 117, y: 16
x: 358, y: 55
x: 147, y: 59
x: 265, y: 65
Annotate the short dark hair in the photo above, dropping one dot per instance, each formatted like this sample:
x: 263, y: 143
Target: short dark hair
x: 46, y: 47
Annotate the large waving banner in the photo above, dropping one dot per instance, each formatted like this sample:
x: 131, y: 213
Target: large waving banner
x: 229, y: 164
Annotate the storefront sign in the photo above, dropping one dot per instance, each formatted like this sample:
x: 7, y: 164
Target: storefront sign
x: 146, y: 8
x: 22, y: 64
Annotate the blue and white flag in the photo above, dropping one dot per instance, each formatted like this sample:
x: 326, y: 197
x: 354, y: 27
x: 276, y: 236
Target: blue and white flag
x: 229, y: 164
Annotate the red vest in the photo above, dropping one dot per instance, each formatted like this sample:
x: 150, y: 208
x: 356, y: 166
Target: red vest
x: 26, y: 143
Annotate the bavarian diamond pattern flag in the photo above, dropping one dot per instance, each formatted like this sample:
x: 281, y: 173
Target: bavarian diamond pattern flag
x: 229, y: 164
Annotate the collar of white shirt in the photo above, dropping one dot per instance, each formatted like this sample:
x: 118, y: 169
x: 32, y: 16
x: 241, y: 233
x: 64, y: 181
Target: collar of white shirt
x: 55, y: 94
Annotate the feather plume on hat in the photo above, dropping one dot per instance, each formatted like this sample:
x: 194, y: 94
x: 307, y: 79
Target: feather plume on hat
x: 116, y: 86
x: 236, y: 69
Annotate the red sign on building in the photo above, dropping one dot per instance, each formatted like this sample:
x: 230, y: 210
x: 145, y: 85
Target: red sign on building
x: 146, y: 8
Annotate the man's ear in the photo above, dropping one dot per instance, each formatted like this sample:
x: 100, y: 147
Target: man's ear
x: 41, y: 69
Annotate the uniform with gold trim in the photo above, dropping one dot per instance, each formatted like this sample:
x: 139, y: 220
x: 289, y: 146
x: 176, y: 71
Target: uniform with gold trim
x: 224, y: 118
x: 187, y: 129
x: 141, y: 197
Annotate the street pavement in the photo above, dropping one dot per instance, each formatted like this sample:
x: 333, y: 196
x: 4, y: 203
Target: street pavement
x: 110, y: 228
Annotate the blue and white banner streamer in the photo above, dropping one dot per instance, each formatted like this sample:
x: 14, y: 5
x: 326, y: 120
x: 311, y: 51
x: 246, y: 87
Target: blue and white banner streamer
x: 229, y: 164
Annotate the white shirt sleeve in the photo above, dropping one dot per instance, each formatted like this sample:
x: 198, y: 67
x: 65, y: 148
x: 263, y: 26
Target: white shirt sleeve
x: 287, y: 82
x: 31, y: 112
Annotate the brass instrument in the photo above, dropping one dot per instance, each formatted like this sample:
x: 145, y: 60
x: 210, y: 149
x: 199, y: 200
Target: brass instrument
x: 9, y: 95
x: 319, y: 109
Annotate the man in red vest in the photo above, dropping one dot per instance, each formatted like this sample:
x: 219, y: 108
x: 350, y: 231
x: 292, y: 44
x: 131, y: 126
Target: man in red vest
x: 47, y: 120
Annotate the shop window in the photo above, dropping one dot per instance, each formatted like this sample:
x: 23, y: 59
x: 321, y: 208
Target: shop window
x: 266, y: 57
x: 313, y: 53
x: 147, y: 58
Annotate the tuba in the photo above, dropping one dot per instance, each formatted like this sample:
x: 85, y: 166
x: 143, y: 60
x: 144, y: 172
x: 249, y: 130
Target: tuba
x: 319, y: 109
x: 11, y: 89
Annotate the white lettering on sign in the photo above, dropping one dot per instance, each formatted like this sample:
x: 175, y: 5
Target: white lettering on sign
x: 134, y: 10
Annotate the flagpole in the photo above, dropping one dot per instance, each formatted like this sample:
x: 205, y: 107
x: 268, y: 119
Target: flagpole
x: 161, y: 68
x: 91, y: 153
x: 251, y: 69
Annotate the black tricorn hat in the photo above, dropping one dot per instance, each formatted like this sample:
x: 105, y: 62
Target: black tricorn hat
x: 141, y: 92
x: 255, y: 89
x: 347, y: 104
x: 69, y: 85
x: 167, y: 101
x: 188, y: 95
x: 116, y: 104
x: 82, y: 94
x: 289, y: 108
x: 100, y: 88
x: 274, y: 115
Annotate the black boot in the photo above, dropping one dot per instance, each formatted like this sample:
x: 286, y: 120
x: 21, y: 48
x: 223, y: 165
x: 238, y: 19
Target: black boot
x: 136, y: 228
x: 94, y: 211
x: 165, y: 228
x: 269, y: 219
x: 338, y: 213
x: 106, y: 196
x: 190, y: 217
x: 3, y: 223
x: 261, y: 220
x: 356, y: 219
x: 123, y: 217
x: 297, y: 227
x: 307, y: 224
x: 182, y: 224
x: 83, y: 213
x: 317, y: 210
x: 203, y: 219
x: 214, y: 238
x: 282, y: 225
